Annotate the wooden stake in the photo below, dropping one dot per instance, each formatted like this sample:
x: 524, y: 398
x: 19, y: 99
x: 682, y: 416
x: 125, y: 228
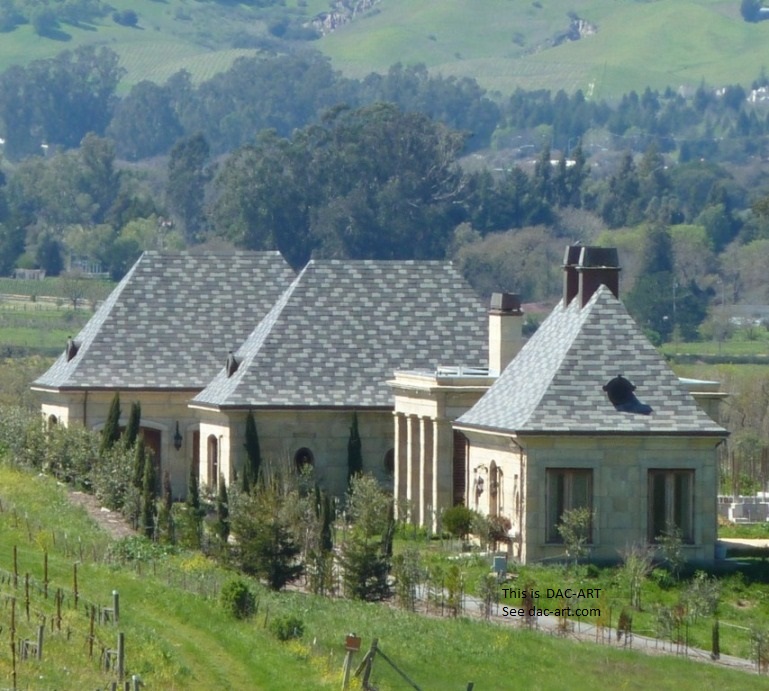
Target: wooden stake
x: 26, y: 594
x: 13, y: 641
x: 90, y: 632
x: 40, y: 633
x: 346, y: 670
x: 45, y: 574
x: 74, y: 581
x: 120, y: 655
x: 15, y: 567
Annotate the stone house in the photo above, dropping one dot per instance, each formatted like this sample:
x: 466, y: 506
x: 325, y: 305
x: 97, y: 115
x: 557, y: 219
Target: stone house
x: 589, y: 415
x: 327, y: 350
x: 305, y: 351
x: 159, y: 338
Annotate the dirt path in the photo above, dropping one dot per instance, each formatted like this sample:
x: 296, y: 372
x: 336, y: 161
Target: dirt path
x: 110, y: 521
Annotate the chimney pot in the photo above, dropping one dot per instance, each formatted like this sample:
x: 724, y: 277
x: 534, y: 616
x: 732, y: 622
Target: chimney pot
x: 505, y: 302
x: 597, y: 266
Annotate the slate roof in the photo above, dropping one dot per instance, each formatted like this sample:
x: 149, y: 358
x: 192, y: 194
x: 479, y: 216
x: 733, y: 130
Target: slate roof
x: 342, y: 328
x: 555, y: 384
x: 171, y: 320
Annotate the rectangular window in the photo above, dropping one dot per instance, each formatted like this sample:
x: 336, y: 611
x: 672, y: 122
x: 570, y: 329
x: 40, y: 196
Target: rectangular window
x: 567, y: 489
x: 671, y: 503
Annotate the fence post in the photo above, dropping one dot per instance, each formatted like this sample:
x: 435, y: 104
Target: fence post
x: 120, y: 655
x: 116, y: 605
x: 40, y: 630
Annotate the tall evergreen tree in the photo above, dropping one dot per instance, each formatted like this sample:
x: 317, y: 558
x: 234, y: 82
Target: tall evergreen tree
x: 140, y: 460
x: 354, y: 451
x: 253, y: 454
x: 222, y: 512
x: 134, y: 422
x: 148, y: 498
x: 111, y: 431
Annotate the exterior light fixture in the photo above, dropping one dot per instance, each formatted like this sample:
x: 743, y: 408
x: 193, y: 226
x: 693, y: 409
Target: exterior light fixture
x: 479, y: 482
x: 177, y: 437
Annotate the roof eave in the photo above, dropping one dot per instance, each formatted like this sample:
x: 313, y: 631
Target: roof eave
x: 723, y: 434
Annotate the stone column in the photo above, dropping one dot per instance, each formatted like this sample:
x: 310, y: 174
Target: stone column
x: 412, y: 466
x: 400, y: 470
x: 425, y: 468
x: 434, y: 498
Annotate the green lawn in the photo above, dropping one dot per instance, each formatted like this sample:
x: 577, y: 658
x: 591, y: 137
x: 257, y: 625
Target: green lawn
x: 177, y: 637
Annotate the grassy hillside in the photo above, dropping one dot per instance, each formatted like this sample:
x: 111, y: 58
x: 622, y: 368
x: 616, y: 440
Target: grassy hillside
x: 177, y: 637
x: 170, y: 35
x: 502, y: 43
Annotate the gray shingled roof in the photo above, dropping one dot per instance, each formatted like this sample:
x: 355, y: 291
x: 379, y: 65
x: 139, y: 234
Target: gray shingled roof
x: 338, y: 333
x: 171, y: 320
x: 555, y: 383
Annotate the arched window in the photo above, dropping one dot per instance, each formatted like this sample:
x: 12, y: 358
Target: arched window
x: 303, y: 457
x: 213, y: 461
x: 389, y: 462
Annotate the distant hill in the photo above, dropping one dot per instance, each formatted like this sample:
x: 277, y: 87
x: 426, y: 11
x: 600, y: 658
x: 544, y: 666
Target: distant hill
x: 624, y: 44
x: 604, y: 47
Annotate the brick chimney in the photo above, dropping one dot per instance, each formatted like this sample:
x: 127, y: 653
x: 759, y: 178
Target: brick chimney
x: 505, y: 330
x: 597, y: 266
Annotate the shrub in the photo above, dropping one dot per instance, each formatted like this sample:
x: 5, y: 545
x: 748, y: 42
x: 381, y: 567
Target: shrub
x: 458, y: 520
x: 237, y: 599
x: 287, y: 627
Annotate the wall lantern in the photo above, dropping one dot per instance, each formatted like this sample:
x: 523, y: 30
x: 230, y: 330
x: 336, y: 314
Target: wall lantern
x: 177, y: 437
x: 479, y: 482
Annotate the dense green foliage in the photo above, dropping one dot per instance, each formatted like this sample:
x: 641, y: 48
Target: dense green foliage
x: 237, y: 599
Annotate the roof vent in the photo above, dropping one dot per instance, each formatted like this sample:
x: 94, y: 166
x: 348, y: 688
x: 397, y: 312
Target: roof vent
x: 71, y: 348
x: 621, y: 394
x: 231, y: 365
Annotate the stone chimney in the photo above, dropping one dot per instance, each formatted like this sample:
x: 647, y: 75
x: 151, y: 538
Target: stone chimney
x: 585, y: 269
x: 505, y: 330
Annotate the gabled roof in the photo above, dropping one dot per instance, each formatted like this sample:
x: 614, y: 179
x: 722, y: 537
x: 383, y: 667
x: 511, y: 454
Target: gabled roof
x: 171, y: 320
x: 555, y: 384
x: 342, y: 328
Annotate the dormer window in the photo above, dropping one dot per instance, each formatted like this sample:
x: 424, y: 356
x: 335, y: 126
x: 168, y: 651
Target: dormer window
x: 231, y: 366
x: 71, y: 348
x: 621, y: 394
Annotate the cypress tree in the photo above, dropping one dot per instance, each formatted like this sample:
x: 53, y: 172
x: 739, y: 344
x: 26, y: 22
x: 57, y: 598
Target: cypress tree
x: 140, y: 460
x: 111, y: 431
x: 354, y: 455
x: 148, y: 498
x: 253, y: 453
x: 193, y: 489
x: 327, y: 520
x: 165, y: 514
x: 134, y: 422
x: 222, y: 512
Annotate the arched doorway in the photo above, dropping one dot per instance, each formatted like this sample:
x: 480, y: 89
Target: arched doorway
x: 303, y: 458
